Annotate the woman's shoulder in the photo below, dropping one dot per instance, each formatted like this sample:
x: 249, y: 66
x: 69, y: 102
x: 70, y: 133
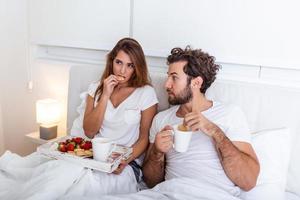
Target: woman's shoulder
x: 94, y: 84
x: 147, y: 89
x: 146, y: 96
x: 92, y: 88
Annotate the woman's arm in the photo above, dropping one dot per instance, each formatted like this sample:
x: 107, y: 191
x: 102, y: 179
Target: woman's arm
x: 93, y: 117
x: 141, y: 144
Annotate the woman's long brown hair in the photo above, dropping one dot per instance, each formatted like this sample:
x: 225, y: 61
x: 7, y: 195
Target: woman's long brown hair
x: 140, y: 76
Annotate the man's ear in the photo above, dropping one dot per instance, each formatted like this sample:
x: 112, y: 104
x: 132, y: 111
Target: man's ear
x: 196, y: 82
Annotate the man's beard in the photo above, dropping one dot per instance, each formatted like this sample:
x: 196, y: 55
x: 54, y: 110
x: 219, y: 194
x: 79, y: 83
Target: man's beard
x: 183, y: 97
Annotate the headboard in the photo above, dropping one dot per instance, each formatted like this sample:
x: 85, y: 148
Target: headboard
x: 265, y: 106
x: 79, y: 79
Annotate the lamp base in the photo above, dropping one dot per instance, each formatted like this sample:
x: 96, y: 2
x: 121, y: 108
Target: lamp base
x: 48, y: 133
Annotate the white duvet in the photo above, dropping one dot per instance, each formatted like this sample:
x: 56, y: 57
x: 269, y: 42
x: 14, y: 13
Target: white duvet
x: 175, y: 189
x: 36, y: 177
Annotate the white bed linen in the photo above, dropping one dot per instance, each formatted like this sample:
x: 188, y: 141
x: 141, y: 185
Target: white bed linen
x: 291, y: 196
x: 174, y: 189
x: 36, y: 177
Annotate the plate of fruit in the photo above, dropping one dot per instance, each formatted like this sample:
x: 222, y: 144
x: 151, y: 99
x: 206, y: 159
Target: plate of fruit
x: 76, y: 146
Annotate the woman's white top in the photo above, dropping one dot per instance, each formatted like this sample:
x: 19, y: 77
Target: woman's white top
x: 122, y: 123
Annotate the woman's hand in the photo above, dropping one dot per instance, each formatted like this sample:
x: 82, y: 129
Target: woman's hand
x: 121, y: 167
x: 109, y: 84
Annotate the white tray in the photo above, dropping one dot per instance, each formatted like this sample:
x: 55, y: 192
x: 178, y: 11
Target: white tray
x: 119, y: 152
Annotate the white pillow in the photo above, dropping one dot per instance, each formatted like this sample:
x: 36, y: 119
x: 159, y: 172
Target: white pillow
x: 272, y: 148
x: 77, y: 126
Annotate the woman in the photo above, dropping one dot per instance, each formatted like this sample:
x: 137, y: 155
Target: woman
x: 121, y: 107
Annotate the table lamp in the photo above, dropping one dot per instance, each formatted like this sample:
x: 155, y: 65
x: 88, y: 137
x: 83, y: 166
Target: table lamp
x: 48, y: 114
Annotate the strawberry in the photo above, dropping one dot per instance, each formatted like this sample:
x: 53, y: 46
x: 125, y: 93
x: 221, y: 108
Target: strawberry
x: 73, y: 143
x: 62, y: 148
x: 82, y: 144
x: 77, y: 140
x: 87, y: 145
x: 70, y: 147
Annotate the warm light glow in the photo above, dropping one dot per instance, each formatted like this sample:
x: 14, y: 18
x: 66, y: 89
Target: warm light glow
x: 48, y: 112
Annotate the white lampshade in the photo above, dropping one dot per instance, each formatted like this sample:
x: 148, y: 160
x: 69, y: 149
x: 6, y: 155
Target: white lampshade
x: 48, y: 112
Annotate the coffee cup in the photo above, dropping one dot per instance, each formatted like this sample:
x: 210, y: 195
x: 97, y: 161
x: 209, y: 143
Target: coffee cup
x: 102, y: 148
x: 181, y: 139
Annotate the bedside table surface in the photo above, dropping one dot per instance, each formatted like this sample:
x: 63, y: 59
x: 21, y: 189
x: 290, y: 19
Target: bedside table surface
x: 35, y: 137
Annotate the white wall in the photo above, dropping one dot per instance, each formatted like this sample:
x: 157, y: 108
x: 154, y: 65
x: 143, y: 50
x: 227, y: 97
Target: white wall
x: 256, y: 32
x: 1, y: 90
x: 17, y: 102
x: 89, y: 24
x: 50, y: 80
x: 2, y: 143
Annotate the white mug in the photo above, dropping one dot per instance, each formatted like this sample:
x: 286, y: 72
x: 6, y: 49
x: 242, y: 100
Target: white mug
x: 181, y: 139
x: 102, y: 148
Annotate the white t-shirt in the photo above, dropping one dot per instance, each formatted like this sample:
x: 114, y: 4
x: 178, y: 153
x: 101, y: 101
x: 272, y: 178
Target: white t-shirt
x: 122, y: 123
x: 201, y: 161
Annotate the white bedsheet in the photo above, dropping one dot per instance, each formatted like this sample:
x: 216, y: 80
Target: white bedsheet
x: 175, y: 189
x: 36, y: 177
x: 291, y: 196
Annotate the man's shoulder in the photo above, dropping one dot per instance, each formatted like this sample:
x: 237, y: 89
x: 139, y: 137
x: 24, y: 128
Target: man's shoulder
x: 164, y: 116
x: 166, y: 113
x: 227, y: 108
x: 160, y: 120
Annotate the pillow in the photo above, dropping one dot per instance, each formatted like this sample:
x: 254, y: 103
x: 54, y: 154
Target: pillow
x: 77, y: 126
x: 272, y: 148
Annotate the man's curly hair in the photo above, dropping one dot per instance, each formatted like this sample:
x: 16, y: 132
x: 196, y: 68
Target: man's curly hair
x: 199, y: 63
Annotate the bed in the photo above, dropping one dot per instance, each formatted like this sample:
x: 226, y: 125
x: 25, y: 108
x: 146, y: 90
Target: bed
x: 272, y: 113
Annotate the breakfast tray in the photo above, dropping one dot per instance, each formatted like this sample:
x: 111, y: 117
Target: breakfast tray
x: 119, y: 153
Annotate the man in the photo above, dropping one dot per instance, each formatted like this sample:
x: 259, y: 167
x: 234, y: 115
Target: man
x: 220, y: 150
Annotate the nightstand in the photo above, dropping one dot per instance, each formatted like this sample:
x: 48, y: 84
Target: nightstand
x: 35, y: 137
